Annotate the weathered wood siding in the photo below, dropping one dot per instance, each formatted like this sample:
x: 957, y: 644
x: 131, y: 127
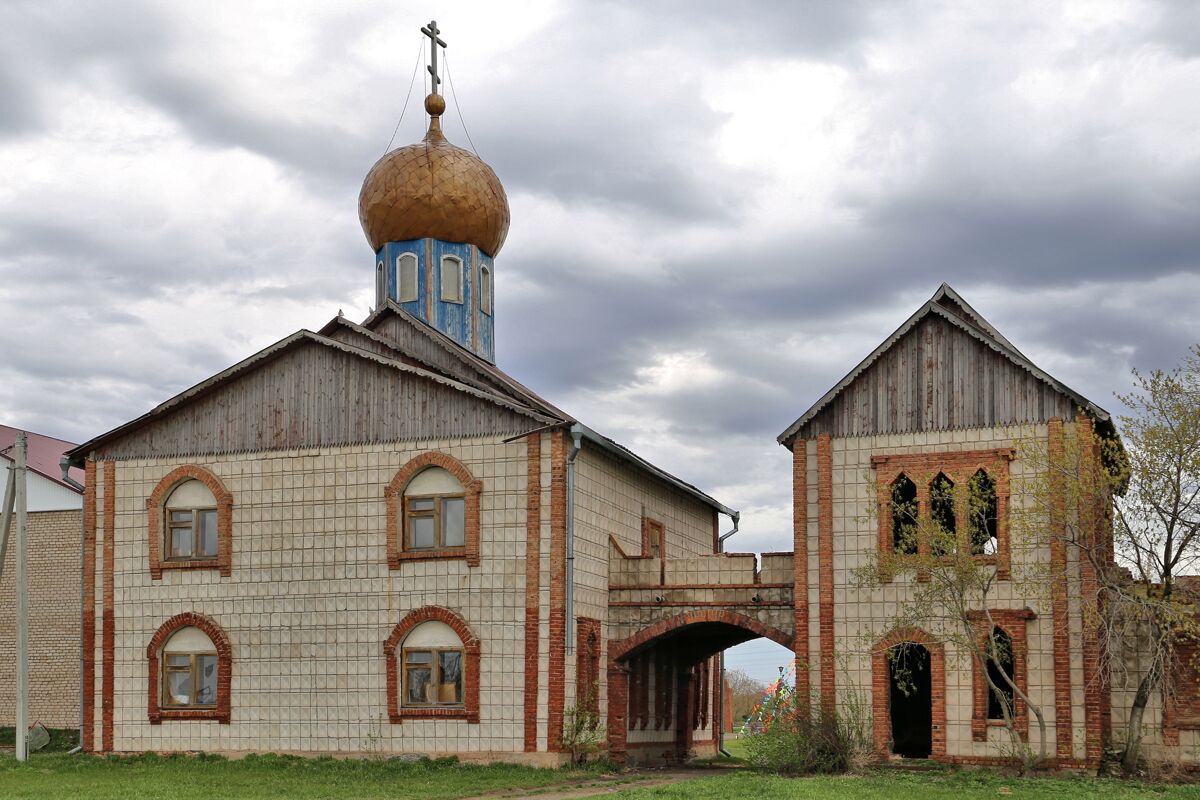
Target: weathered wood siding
x: 410, y: 340
x: 314, y: 396
x: 938, y: 377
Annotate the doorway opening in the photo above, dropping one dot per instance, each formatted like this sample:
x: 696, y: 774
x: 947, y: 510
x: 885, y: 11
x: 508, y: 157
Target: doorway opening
x: 911, y: 700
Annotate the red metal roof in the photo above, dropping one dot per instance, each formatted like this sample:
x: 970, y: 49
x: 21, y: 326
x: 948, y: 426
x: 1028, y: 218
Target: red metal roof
x: 44, y: 453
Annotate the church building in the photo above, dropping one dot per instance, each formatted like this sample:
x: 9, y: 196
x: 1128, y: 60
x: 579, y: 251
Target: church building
x: 371, y: 539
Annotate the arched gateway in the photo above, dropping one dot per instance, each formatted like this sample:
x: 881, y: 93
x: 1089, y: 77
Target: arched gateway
x: 669, y: 622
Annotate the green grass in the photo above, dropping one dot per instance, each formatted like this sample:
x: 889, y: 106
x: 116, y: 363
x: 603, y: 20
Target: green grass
x: 183, y: 777
x: 966, y: 784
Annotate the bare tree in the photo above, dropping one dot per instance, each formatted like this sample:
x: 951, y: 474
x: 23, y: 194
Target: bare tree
x: 1132, y: 510
x: 745, y: 693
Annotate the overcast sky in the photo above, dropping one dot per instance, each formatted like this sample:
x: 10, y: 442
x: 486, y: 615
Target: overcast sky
x: 717, y: 209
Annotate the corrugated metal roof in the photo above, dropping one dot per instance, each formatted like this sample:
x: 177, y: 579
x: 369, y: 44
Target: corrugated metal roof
x: 43, y: 455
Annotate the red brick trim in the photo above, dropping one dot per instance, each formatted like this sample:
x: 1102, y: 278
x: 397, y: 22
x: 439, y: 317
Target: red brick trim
x: 393, y: 493
x: 618, y: 703
x: 958, y: 466
x: 533, y: 567
x: 619, y: 651
x: 88, y: 622
x: 650, y: 529
x: 659, y: 586
x: 558, y: 589
x: 221, y: 713
x: 397, y: 712
x: 800, y: 564
x: 1097, y: 696
x: 589, y: 641
x: 698, y: 603
x: 108, y: 632
x: 155, y: 511
x: 1058, y: 594
x: 640, y: 668
x: 825, y: 568
x: 881, y: 689
x: 1014, y: 622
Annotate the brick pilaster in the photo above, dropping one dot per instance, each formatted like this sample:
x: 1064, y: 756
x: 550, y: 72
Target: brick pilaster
x: 533, y: 566
x: 109, y: 615
x: 825, y: 567
x: 89, y: 607
x: 1092, y: 511
x: 558, y: 587
x: 1058, y: 593
x: 800, y: 564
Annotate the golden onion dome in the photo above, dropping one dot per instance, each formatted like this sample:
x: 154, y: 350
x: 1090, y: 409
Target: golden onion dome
x: 436, y: 190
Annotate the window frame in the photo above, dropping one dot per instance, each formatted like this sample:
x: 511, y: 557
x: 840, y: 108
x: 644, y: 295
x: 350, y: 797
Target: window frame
x: 958, y: 467
x: 158, y: 710
x: 194, y: 671
x: 435, y: 677
x: 461, y: 281
x: 438, y: 515
x: 159, y: 528
x: 416, y: 266
x: 394, y: 652
x: 169, y: 527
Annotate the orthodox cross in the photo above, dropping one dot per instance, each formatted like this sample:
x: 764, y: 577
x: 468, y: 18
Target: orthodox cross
x: 431, y: 30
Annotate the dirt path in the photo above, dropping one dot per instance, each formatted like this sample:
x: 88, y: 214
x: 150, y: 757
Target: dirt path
x: 597, y: 787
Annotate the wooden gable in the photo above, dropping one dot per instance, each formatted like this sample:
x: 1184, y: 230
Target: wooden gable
x: 309, y: 391
x: 945, y: 368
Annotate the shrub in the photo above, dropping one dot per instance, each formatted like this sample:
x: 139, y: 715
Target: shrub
x: 792, y: 740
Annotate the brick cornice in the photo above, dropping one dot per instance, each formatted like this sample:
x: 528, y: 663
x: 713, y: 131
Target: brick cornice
x: 397, y: 712
x: 394, y: 496
x: 156, y: 712
x: 155, y: 513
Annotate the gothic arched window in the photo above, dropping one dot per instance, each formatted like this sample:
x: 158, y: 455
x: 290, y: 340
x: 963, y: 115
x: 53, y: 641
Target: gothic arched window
x: 981, y: 514
x: 904, y: 515
x: 941, y: 510
x: 1000, y: 697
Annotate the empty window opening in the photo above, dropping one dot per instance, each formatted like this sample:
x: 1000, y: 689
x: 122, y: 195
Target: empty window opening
x: 1000, y: 698
x: 904, y: 515
x: 981, y: 514
x: 941, y: 507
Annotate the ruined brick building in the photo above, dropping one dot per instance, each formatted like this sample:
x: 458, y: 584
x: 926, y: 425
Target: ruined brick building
x: 371, y: 539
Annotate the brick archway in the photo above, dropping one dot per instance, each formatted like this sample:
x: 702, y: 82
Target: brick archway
x: 619, y: 652
x: 881, y: 688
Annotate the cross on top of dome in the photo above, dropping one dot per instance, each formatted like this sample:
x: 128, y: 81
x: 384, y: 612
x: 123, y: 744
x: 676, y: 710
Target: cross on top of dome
x: 431, y: 30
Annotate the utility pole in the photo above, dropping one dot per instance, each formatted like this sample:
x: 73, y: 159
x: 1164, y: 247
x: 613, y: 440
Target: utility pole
x: 17, y: 482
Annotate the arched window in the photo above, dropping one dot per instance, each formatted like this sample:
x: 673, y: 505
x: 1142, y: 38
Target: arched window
x: 406, y: 277
x: 941, y: 509
x: 432, y: 667
x: 380, y: 284
x: 485, y: 290
x: 434, y: 511
x: 190, y: 667
x: 452, y: 279
x: 1001, y: 697
x: 432, y: 662
x: 904, y: 515
x: 981, y: 514
x: 190, y: 523
x: 190, y: 515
